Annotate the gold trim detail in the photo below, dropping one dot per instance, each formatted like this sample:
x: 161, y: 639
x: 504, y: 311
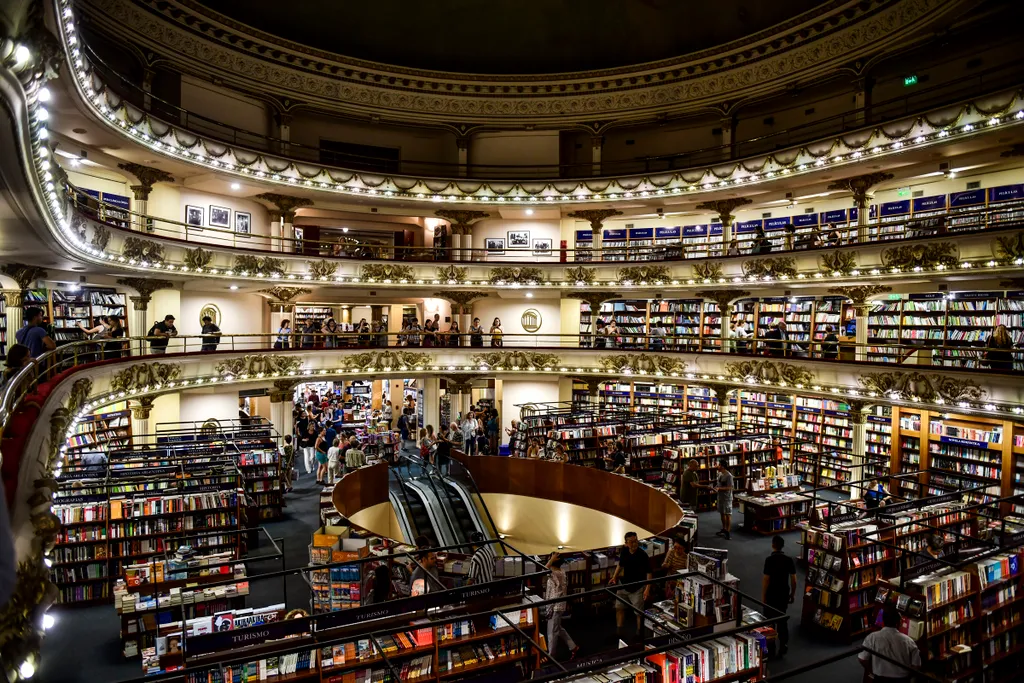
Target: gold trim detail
x: 643, y: 274
x: 766, y: 371
x: 197, y: 258
x: 581, y: 275
x: 451, y: 275
x: 258, y: 265
x: 503, y: 275
x: 258, y: 364
x: 642, y: 364
x: 782, y: 266
x: 710, y: 270
x: 386, y: 271
x: 842, y: 262
x: 322, y: 269
x: 513, y: 360
x: 143, y: 375
x: 927, y: 387
x: 924, y: 256
x: 135, y: 249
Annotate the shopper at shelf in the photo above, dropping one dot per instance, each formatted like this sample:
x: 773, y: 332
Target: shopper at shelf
x: 287, y: 462
x: 476, y: 333
x: 211, y: 334
x: 513, y: 433
x: 354, y: 456
x: 832, y: 238
x: 690, y: 484
x: 100, y: 332
x: 877, y: 495
x: 830, y: 344
x: 659, y: 333
x: 557, y: 587
x: 387, y: 413
x: 454, y: 334
x: 160, y: 334
x: 734, y: 247
x: 788, y: 233
x: 761, y: 245
x: 999, y: 353
x: 611, y: 335
x: 936, y: 546
x: 775, y: 340
x: 634, y: 566
x: 739, y: 343
x: 468, y: 428
x: 496, y: 333
x: 115, y: 347
x: 284, y: 335
x: 601, y: 336
x: 676, y: 559
x: 482, y: 561
x: 723, y: 487
x: 307, y: 442
x: 333, y: 467
x: 616, y: 459
x: 892, y: 645
x: 778, y: 587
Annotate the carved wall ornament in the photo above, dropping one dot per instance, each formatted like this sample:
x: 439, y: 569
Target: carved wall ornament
x: 388, y: 271
x: 258, y: 265
x: 24, y: 275
x: 860, y: 294
x: 708, y: 270
x: 653, y: 274
x: 513, y: 275
x: 386, y: 360
x: 724, y: 207
x: 642, y: 364
x: 144, y: 374
x: 100, y: 237
x: 284, y: 294
x: 79, y: 395
x: 12, y: 297
x: 842, y: 262
x: 928, y: 387
x: 197, y: 258
x: 142, y: 408
x: 322, y: 269
x: 766, y: 371
x: 1010, y: 248
x: 143, y: 251
x: 723, y: 297
x: 257, y: 364
x: 596, y: 217
x: 284, y: 203
x: 60, y: 423
x: 512, y: 360
x: 782, y: 266
x: 859, y: 185
x: 283, y: 390
x: 581, y: 275
x: 924, y: 256
x: 460, y: 299
x: 19, y: 617
x: 145, y: 287
x: 461, y: 220
x: 452, y: 275
x: 147, y: 177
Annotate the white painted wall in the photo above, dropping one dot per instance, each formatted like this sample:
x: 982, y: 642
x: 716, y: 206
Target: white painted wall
x: 511, y: 312
x: 240, y: 313
x: 200, y: 405
x: 518, y: 392
x: 541, y: 229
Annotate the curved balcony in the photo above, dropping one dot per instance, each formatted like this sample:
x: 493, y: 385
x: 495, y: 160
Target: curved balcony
x: 938, y: 126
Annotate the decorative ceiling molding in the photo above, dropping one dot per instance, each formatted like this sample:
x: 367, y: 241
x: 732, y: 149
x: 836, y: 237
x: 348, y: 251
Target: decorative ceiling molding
x: 242, y: 57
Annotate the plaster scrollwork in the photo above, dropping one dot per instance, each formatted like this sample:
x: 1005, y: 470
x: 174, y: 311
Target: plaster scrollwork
x: 923, y: 256
x: 513, y: 275
x: 258, y: 265
x: 100, y: 237
x: 926, y: 386
x: 781, y: 266
x: 452, y: 275
x: 387, y: 360
x: 387, y: 272
x: 143, y: 251
x: 144, y: 375
x: 708, y: 270
x: 283, y: 295
x: 645, y: 274
x: 322, y: 269
x: 515, y: 360
x: 766, y: 371
x: 80, y: 391
x: 259, y: 364
x: 841, y: 262
x: 197, y: 259
x: 642, y: 364
x: 1010, y: 248
x: 581, y: 275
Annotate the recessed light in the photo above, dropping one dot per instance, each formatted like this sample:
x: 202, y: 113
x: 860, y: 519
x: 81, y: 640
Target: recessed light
x: 80, y: 131
x: 529, y: 212
x: 344, y: 229
x: 529, y: 295
x: 236, y: 186
x: 233, y: 287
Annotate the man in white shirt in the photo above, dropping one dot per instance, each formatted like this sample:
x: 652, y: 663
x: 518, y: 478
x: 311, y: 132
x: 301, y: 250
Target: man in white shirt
x: 739, y: 335
x: 468, y: 428
x: 893, y: 645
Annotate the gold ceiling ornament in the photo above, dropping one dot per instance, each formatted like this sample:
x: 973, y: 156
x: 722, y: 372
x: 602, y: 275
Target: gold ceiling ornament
x: 460, y: 299
x: 461, y: 219
x: 143, y: 251
x: 771, y: 372
x: 143, y: 375
x: 20, y: 635
x: 927, y: 387
x: 859, y: 410
x: 514, y: 275
x: 644, y: 274
x: 842, y: 262
x: 453, y: 275
x: 256, y: 364
x: 708, y: 270
x: 724, y: 207
x: 12, y: 297
x: 284, y: 203
x: 386, y: 360
x: 78, y: 395
x: 596, y: 217
x: 147, y: 177
x: 387, y: 271
x: 197, y: 258
x: 515, y: 360
x: 581, y: 275
x: 60, y: 423
x: 859, y: 185
x: 141, y: 407
x: 247, y: 264
x: 923, y: 256
x: 1010, y: 248
x: 594, y: 298
x: 322, y: 269
x: 145, y: 287
x: 781, y: 266
x: 283, y: 390
x: 100, y: 237
x: 24, y: 275
x: 460, y: 384
x: 642, y: 364
x: 283, y: 295
x: 860, y: 294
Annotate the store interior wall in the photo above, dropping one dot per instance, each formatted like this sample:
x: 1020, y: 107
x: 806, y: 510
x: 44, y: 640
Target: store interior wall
x: 205, y: 404
x: 518, y: 392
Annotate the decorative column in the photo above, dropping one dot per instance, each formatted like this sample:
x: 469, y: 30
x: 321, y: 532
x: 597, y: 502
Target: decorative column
x: 141, y: 409
x: 596, y: 218
x: 860, y: 296
x: 724, y: 209
x: 346, y: 314
x: 859, y: 187
x: 12, y: 303
x: 728, y: 123
x: 724, y: 298
x: 275, y: 229
x: 25, y: 276
x: 461, y: 301
x: 147, y: 88
x: 286, y: 206
x: 462, y: 224
x: 284, y: 131
x: 137, y: 324
x: 722, y: 396
x: 281, y: 401
x: 431, y: 402
x: 858, y: 416
x: 596, y: 145
x: 147, y: 177
x: 595, y: 299
x: 460, y: 394
x: 462, y: 142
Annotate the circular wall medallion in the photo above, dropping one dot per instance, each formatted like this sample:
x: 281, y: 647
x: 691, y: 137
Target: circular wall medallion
x: 531, y: 320
x: 209, y: 310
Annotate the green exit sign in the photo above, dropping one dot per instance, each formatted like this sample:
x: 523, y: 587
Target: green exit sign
x: 903, y: 192
x: 909, y: 80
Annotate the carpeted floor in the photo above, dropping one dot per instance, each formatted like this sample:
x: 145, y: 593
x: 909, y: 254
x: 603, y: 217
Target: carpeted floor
x: 83, y: 646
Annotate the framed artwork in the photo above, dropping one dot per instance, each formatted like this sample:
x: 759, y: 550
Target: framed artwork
x: 494, y: 245
x: 542, y: 247
x: 194, y: 216
x: 220, y: 217
x: 518, y: 239
x: 243, y: 223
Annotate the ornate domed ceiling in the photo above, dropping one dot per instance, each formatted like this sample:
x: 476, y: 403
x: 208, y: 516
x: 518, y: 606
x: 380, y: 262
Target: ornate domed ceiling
x: 511, y: 36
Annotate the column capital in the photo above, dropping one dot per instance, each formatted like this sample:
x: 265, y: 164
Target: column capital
x: 860, y: 184
x: 141, y: 407
x: 147, y: 177
x: 859, y: 411
x: 285, y: 204
x: 596, y: 217
x: 12, y: 297
x: 860, y: 294
x: 595, y: 299
x: 145, y: 287
x: 461, y: 219
x: 721, y: 391
x: 597, y: 141
x: 283, y: 390
x: 275, y: 215
x: 140, y: 303
x: 461, y: 298
x: 724, y: 207
x: 724, y: 298
x: 23, y: 275
x: 462, y: 142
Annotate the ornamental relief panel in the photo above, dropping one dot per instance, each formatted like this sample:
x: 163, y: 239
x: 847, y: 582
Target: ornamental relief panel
x: 845, y: 31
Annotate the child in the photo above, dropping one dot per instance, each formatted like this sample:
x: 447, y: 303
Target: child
x: 483, y: 445
x: 333, y: 452
x: 287, y: 460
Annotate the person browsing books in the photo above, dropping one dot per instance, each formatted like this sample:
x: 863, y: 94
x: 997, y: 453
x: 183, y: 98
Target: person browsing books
x: 723, y: 487
x: 557, y: 587
x: 690, y: 484
x: 778, y: 587
x: 891, y: 645
x: 634, y: 566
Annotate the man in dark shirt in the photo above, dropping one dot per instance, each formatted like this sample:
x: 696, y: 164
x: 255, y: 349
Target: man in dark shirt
x: 689, y: 488
x: 634, y: 566
x: 33, y: 334
x: 776, y: 341
x: 211, y: 334
x: 160, y: 334
x: 331, y: 433
x: 778, y: 587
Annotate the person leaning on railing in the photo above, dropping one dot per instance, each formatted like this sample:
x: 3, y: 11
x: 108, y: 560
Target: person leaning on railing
x: 999, y: 353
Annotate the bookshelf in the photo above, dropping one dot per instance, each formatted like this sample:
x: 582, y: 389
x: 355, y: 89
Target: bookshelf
x: 884, y: 327
x: 304, y: 314
x: 101, y: 433
x: 84, y: 306
x: 774, y: 510
x: 826, y: 434
x: 800, y: 319
x: 877, y: 441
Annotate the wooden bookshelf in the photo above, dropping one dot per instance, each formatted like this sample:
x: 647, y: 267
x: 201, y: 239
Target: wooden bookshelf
x: 101, y: 433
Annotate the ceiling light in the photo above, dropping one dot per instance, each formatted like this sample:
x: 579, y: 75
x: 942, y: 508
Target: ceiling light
x: 233, y: 287
x: 21, y: 55
x: 529, y: 212
x: 236, y: 186
x: 529, y: 295
x: 43, y: 95
x: 344, y: 229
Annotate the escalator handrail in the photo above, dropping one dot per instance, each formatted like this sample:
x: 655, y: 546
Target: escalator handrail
x: 431, y: 471
x: 408, y: 506
x: 475, y: 491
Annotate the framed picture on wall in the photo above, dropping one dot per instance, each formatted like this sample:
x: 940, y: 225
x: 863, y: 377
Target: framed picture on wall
x: 220, y: 217
x: 518, y: 239
x: 542, y: 247
x: 243, y: 223
x: 194, y: 216
x: 494, y: 245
